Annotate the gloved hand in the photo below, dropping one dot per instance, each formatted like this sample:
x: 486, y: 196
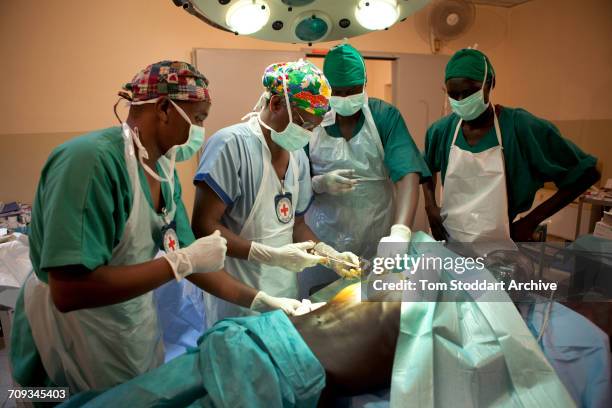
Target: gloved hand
x: 292, y: 257
x: 206, y: 254
x: 396, y: 243
x: 335, y: 182
x: 265, y: 303
x: 307, y: 306
x: 341, y: 269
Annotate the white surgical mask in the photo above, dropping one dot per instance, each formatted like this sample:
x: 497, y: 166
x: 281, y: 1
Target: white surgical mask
x: 348, y: 105
x: 474, y: 105
x: 294, y: 137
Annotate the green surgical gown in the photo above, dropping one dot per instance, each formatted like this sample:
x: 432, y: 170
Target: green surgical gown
x: 83, y: 201
x: 534, y: 153
x: 402, y: 156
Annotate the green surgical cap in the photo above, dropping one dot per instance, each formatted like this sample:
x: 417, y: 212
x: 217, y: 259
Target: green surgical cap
x: 468, y: 63
x: 344, y: 66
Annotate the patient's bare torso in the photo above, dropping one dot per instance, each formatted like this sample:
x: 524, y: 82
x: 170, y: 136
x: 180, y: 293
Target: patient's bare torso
x: 354, y: 341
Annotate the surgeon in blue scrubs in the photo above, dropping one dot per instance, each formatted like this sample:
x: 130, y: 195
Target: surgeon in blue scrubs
x: 253, y: 185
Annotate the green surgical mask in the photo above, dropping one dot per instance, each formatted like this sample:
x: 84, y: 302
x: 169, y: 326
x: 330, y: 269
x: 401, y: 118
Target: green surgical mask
x: 348, y: 105
x: 175, y: 153
x: 294, y: 137
x: 474, y: 105
x: 194, y: 142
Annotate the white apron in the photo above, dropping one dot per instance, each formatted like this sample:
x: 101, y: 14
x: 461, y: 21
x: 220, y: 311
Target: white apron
x: 475, y: 201
x: 264, y: 227
x: 100, y: 347
x: 357, y: 220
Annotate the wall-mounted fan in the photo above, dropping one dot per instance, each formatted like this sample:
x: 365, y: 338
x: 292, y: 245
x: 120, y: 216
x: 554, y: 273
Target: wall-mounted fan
x: 444, y: 20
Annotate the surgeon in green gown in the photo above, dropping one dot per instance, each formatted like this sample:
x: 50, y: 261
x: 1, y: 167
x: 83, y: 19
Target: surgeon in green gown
x: 365, y: 168
x: 492, y: 160
x: 106, y: 204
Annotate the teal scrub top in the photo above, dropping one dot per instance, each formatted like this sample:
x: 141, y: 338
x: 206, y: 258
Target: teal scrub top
x: 535, y: 152
x: 402, y: 156
x: 83, y: 201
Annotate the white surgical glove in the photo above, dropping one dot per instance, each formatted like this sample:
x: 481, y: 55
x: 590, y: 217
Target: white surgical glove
x: 335, y: 182
x: 206, y: 254
x: 307, y: 306
x: 341, y: 269
x: 396, y: 243
x: 292, y: 257
x: 265, y: 303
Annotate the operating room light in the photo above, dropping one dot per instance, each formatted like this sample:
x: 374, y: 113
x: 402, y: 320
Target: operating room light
x: 248, y: 16
x: 312, y: 28
x: 377, y: 14
x: 301, y: 21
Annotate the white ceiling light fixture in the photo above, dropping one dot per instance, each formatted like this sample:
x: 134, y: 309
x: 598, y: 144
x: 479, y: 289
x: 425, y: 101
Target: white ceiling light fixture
x: 248, y: 16
x: 301, y: 21
x: 377, y: 14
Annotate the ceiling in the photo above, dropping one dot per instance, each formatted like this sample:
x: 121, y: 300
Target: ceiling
x: 500, y: 3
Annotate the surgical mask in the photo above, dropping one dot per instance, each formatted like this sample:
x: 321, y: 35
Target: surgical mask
x: 294, y: 137
x: 348, y: 105
x: 474, y: 105
x: 176, y: 153
x: 143, y: 154
x: 194, y: 141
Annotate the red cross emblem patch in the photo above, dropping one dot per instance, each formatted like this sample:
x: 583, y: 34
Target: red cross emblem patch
x: 284, y: 208
x: 171, y: 243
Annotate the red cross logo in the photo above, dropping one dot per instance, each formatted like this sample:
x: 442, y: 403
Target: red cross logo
x: 284, y: 212
x: 172, y: 244
x: 284, y: 209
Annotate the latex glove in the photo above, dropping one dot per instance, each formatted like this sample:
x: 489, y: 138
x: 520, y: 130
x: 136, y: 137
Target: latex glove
x: 335, y: 182
x: 396, y: 243
x: 265, y: 303
x: 307, y: 306
x: 206, y: 254
x: 292, y: 257
x: 345, y: 271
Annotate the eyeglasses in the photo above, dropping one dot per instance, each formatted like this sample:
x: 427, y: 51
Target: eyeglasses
x: 304, y: 125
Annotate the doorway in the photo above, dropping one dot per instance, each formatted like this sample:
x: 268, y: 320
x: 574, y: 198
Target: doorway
x: 380, y: 76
